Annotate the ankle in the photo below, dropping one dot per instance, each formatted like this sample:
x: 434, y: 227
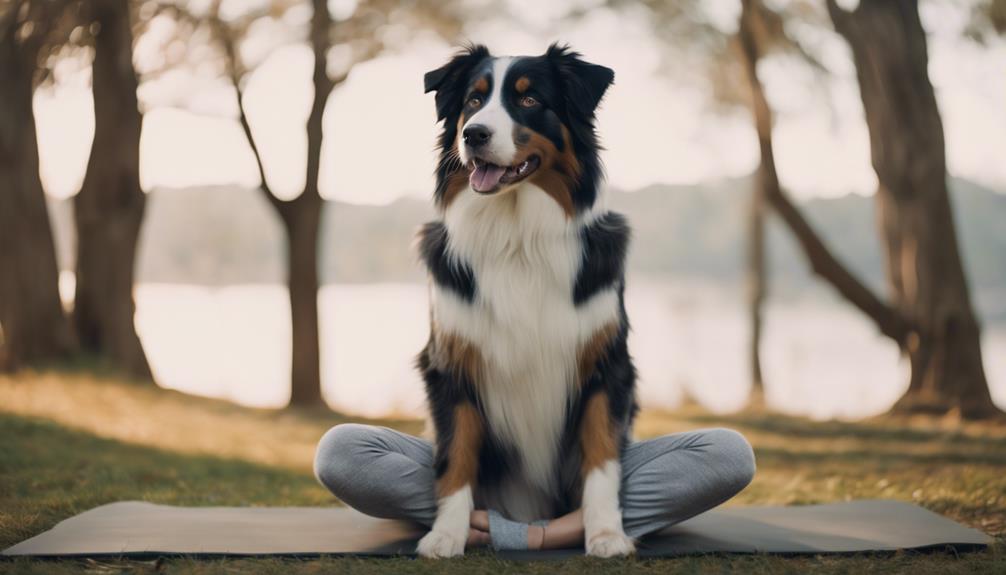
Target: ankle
x: 535, y: 537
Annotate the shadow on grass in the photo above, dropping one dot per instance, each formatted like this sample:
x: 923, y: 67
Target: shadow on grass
x: 49, y: 473
x: 778, y: 456
x: 876, y: 429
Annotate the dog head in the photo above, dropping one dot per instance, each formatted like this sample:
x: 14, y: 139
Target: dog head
x: 510, y: 120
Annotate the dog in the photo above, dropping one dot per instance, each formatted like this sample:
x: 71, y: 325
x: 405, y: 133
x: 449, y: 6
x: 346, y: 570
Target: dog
x: 530, y: 385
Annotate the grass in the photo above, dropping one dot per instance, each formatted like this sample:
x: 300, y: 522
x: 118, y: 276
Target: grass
x: 70, y: 442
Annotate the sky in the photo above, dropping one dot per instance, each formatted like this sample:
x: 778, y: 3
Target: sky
x: 657, y: 127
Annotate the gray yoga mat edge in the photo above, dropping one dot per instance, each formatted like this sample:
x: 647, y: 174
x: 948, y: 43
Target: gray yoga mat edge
x: 135, y: 529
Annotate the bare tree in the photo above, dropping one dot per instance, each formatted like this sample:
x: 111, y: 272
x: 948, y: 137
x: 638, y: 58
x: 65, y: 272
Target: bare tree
x: 109, y: 208
x: 301, y: 216
x: 697, y: 44
x: 931, y: 318
x: 924, y: 269
x: 823, y: 263
x: 752, y: 38
x: 955, y: 382
x: 35, y: 328
x: 689, y: 34
x: 362, y: 33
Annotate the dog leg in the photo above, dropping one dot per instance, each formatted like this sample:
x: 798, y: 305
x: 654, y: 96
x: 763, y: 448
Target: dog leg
x: 458, y: 458
x: 602, y: 515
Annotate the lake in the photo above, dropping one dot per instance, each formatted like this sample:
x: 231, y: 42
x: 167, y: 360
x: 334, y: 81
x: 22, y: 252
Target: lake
x: 820, y: 358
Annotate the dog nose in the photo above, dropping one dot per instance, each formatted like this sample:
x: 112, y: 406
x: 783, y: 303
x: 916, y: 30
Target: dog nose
x: 477, y: 135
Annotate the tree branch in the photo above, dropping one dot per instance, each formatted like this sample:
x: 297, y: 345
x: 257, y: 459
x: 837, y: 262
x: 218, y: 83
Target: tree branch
x: 320, y: 39
x: 43, y: 17
x: 888, y: 320
x: 235, y: 77
x: 278, y: 203
x: 222, y: 33
x: 9, y: 20
x: 235, y: 73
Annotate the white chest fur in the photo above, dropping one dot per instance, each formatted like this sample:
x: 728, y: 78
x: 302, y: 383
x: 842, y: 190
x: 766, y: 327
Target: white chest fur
x: 525, y: 254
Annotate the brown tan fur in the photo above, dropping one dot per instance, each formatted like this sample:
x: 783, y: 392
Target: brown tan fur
x: 463, y: 456
x: 457, y: 355
x: 593, y: 350
x: 455, y: 185
x: 558, y: 172
x: 458, y: 180
x: 597, y: 434
x: 481, y: 85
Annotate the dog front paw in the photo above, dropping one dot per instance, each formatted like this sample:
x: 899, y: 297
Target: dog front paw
x: 610, y: 543
x: 441, y: 545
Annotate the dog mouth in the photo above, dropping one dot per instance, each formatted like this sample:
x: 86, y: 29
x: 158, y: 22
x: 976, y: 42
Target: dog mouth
x: 486, y: 177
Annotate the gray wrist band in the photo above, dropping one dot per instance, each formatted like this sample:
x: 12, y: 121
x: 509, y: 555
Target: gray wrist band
x: 506, y: 534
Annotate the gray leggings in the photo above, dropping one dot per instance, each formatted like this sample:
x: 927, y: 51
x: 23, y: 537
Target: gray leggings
x: 385, y: 473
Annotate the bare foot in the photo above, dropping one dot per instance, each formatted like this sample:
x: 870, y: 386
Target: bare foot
x: 535, y: 537
x: 477, y: 538
x: 480, y: 520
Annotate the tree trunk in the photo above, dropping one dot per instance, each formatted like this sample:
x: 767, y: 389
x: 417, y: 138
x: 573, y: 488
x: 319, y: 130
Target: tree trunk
x: 924, y: 268
x: 766, y: 183
x: 302, y: 223
x: 756, y: 284
x: 109, y: 207
x: 35, y: 328
x: 302, y: 219
x: 888, y: 320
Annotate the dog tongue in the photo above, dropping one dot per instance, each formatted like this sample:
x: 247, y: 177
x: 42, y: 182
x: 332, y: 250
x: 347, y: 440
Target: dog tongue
x: 485, y: 177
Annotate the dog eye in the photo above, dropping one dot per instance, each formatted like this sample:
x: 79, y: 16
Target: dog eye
x: 474, y: 101
x: 528, y: 102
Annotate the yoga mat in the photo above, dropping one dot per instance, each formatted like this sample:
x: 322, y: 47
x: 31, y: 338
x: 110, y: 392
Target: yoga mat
x: 132, y: 528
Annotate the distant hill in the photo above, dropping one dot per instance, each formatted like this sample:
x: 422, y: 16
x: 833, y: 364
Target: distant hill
x: 224, y: 235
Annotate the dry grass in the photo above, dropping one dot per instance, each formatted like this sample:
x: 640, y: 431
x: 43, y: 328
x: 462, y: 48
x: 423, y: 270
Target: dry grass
x: 173, y: 421
x: 69, y: 442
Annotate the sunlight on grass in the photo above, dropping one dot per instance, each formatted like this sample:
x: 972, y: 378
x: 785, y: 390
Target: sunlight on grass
x: 70, y: 442
x: 155, y: 417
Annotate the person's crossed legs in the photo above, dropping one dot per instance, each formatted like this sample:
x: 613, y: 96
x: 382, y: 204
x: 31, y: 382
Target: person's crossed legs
x: 388, y: 474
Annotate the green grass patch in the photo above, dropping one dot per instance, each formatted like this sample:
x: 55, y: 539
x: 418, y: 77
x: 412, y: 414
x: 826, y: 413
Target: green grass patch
x: 70, y: 443
x: 48, y: 473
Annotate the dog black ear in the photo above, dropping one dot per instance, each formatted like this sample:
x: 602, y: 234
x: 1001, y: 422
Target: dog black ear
x: 584, y: 83
x: 447, y: 80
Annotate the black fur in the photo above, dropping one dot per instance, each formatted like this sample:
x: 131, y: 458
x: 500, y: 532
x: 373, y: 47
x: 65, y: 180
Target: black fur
x: 569, y: 91
x: 451, y: 82
x: 445, y: 271
x: 605, y: 246
x: 568, y: 88
x: 445, y: 391
x: 584, y: 85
